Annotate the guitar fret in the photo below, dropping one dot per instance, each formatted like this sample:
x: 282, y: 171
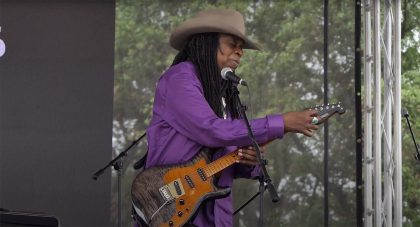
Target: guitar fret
x: 219, y: 164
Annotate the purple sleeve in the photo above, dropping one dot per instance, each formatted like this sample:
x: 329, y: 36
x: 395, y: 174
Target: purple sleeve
x: 190, y: 114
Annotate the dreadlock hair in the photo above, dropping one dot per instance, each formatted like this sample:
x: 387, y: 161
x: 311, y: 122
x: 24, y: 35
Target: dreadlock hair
x: 201, y: 50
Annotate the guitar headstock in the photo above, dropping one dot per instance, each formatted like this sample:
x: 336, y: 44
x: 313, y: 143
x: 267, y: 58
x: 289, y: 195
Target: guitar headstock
x: 326, y: 111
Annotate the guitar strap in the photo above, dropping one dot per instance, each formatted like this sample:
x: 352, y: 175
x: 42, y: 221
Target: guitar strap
x: 140, y: 163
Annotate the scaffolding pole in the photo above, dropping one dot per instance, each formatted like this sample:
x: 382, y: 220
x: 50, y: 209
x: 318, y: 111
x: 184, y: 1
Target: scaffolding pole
x: 382, y: 118
x: 367, y: 115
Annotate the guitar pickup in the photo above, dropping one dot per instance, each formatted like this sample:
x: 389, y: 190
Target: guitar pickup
x: 177, y: 188
x: 201, y: 174
x: 189, y: 181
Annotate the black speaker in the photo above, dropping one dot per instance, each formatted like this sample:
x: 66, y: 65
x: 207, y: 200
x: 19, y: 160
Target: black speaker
x: 15, y: 219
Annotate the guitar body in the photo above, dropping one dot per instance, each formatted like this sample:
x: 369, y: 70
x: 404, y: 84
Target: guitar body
x: 171, y: 195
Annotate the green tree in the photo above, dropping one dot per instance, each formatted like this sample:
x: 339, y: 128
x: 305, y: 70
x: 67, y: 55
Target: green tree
x: 411, y: 101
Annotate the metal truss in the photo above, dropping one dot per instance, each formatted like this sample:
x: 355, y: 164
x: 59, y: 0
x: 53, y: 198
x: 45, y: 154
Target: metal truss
x: 382, y: 113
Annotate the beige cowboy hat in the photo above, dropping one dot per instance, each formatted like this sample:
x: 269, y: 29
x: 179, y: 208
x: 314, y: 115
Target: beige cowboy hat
x: 212, y: 20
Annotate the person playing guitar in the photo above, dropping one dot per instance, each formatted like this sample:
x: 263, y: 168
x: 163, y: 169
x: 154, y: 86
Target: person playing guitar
x: 194, y: 111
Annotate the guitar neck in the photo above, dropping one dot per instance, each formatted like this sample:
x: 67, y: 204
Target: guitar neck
x: 324, y: 112
x: 224, y: 162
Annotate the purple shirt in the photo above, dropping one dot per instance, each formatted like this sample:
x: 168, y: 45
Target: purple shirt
x: 183, y: 122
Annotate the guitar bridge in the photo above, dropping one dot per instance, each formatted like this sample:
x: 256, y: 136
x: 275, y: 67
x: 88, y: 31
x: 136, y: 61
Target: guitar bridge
x: 166, y: 193
x: 172, y: 190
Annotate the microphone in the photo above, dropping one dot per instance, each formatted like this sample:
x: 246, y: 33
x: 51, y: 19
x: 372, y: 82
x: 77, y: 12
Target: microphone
x: 404, y: 112
x: 228, y: 74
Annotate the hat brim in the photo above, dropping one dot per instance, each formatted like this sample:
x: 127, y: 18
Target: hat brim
x: 180, y: 35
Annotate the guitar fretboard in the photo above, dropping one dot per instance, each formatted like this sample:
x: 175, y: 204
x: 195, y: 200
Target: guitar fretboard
x: 221, y: 163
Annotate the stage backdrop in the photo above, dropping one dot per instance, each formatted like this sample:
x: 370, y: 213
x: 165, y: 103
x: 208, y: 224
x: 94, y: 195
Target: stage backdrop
x: 56, y: 95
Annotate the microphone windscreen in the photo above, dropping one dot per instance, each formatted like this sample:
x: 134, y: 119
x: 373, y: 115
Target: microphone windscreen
x: 404, y: 112
x: 225, y: 71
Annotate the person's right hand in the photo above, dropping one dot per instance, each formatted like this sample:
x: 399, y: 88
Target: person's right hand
x: 300, y: 122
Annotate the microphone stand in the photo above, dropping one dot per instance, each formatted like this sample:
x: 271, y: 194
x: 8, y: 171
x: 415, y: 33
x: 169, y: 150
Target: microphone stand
x: 117, y: 163
x: 265, y: 178
x: 417, y: 155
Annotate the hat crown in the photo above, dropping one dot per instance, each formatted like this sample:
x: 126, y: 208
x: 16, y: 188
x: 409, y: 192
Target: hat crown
x: 212, y: 20
x: 225, y: 16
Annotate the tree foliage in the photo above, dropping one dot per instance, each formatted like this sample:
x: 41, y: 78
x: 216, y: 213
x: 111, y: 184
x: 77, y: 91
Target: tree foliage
x: 286, y: 76
x: 410, y: 35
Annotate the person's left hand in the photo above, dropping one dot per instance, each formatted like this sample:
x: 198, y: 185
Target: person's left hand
x: 248, y: 155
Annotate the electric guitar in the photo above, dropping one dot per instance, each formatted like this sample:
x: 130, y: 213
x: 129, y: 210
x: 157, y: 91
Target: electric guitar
x: 171, y: 195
